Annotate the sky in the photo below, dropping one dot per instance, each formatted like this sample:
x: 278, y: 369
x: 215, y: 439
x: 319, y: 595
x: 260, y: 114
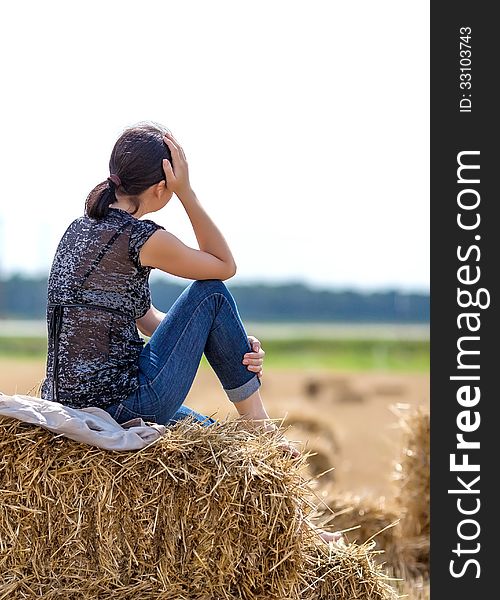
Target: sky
x: 305, y: 126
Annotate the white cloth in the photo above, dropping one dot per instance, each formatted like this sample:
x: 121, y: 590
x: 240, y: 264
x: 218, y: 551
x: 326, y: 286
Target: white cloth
x: 91, y: 425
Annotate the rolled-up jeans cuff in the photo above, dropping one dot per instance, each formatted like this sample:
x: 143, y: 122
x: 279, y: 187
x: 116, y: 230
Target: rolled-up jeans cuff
x: 244, y: 391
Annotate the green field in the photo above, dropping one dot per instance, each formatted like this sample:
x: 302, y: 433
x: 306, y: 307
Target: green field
x: 294, y: 353
x: 393, y: 355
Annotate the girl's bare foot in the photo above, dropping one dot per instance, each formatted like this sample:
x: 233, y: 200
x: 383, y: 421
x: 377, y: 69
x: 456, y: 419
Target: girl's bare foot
x: 337, y: 537
x: 328, y: 537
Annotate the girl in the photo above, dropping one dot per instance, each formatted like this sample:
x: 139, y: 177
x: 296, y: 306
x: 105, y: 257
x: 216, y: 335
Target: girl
x: 98, y: 295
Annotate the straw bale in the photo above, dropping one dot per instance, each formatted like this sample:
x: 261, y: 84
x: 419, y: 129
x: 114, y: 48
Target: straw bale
x: 412, y: 498
x: 367, y: 517
x: 345, y: 573
x: 314, y: 425
x: 410, y: 588
x: 419, y: 590
x: 316, y: 438
x: 203, y: 513
x: 410, y: 556
x: 412, y: 473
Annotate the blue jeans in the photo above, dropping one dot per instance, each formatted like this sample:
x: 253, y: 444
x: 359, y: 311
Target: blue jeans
x: 204, y: 319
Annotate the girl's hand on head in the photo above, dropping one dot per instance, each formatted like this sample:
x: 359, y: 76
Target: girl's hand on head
x: 177, y: 175
x: 254, y: 359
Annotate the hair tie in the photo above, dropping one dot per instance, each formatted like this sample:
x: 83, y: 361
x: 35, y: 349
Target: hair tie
x: 115, y: 179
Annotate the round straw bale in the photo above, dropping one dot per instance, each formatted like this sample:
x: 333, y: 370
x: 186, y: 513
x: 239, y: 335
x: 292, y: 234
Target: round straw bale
x: 412, y: 473
x: 412, y: 497
x: 312, y: 388
x: 319, y: 441
x: 346, y: 393
x: 344, y: 573
x: 367, y: 517
x: 313, y: 424
x: 417, y: 588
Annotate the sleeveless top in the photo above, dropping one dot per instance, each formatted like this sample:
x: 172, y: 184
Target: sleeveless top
x: 96, y: 290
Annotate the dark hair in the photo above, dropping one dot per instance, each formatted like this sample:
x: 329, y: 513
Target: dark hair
x: 137, y: 160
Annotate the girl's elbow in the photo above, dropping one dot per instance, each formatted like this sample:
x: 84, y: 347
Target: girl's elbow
x: 229, y: 272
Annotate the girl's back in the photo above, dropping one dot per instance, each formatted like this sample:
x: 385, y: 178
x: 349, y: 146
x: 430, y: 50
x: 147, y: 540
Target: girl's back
x: 97, y: 288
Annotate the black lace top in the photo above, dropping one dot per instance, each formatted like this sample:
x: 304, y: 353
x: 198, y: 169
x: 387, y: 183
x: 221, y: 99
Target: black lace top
x: 96, y: 289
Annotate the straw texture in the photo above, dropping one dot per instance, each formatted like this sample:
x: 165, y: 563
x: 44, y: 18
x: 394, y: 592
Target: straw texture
x: 412, y: 474
x: 210, y: 513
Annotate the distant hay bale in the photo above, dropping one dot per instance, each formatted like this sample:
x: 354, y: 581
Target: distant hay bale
x: 412, y: 498
x: 338, y: 380
x: 318, y: 440
x: 345, y: 393
x: 341, y: 387
x: 389, y: 388
x: 203, y: 513
x: 409, y: 588
x: 373, y: 519
x: 313, y: 424
x: 312, y: 388
x: 319, y: 461
x: 410, y: 556
x: 349, y: 573
x: 412, y: 473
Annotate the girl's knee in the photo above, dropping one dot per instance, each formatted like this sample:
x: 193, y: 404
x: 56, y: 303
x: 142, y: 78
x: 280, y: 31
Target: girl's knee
x: 201, y: 289
x: 210, y: 286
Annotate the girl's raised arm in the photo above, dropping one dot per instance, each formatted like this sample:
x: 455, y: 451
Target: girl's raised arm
x: 165, y: 251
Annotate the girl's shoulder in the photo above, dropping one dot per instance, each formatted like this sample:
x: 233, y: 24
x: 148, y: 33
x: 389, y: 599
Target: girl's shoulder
x: 141, y: 231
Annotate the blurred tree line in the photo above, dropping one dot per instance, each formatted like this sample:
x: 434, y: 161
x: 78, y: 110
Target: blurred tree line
x: 23, y: 297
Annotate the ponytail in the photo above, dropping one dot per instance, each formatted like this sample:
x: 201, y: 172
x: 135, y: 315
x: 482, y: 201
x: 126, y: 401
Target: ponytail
x: 99, y: 199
